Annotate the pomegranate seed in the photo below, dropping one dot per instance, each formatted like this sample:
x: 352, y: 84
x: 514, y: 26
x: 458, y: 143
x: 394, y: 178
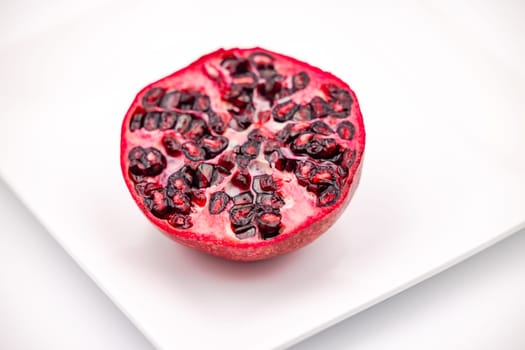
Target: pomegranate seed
x: 136, y: 122
x: 181, y: 202
x: 172, y: 147
x: 328, y: 197
x: 300, y: 81
x: 284, y: 111
x: 269, y: 200
x: 198, y: 128
x: 227, y: 160
x: 198, y: 197
x: 204, y: 175
x: 202, y: 103
x: 214, y: 145
x: 146, y: 161
x: 151, y: 121
x: 243, y: 198
x: 218, y: 202
x: 216, y: 123
x: 171, y: 100
x: 181, y: 221
x: 183, y: 123
x: 242, y: 215
x: 159, y: 204
x: 346, y: 130
x: 264, y: 183
x: 178, y: 181
x: 304, y: 112
x: 320, y: 108
x: 251, y: 148
x: 242, y: 179
x: 322, y: 128
x: 167, y: 120
x: 152, y: 97
x: 245, y: 80
x: 322, y: 174
x: 245, y: 232
x: 194, y: 152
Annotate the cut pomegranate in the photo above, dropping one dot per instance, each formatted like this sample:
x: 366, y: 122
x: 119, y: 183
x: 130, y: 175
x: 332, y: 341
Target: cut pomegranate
x: 245, y: 154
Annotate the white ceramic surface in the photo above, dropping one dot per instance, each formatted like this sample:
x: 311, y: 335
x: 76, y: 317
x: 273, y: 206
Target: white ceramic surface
x: 443, y: 177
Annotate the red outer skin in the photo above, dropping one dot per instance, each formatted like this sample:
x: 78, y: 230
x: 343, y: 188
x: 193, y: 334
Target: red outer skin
x: 253, y: 251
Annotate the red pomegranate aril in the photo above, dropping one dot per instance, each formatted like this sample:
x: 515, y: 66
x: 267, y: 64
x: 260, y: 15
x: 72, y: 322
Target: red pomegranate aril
x: 340, y: 101
x: 205, y: 175
x: 251, y: 148
x: 181, y: 221
x: 322, y: 128
x: 181, y: 202
x: 216, y: 123
x: 246, y: 80
x: 242, y: 179
x: 179, y: 181
x: 303, y: 171
x: 243, y: 120
x: 214, y: 145
x: 263, y: 117
x: 182, y: 124
x: 191, y: 153
x: 270, y: 200
x: 153, y: 97
x: 243, y: 198
x: 136, y: 121
x: 167, y: 120
x: 322, y: 174
x: 264, y: 183
x: 245, y: 232
x: 284, y: 111
x: 320, y: 148
x: 146, y: 162
x: 243, y: 160
x: 256, y: 136
x: 346, y: 130
x: 198, y: 128
x: 227, y: 160
x: 320, y: 108
x: 151, y: 121
x: 262, y: 61
x: 328, y: 197
x: 241, y: 215
x: 268, y: 221
x: 202, y: 103
x: 187, y: 100
x: 299, y: 145
x: 236, y: 65
x: 303, y: 112
x: 159, y: 204
x: 172, y: 147
x: 300, y: 81
x: 145, y: 189
x: 198, y: 197
x: 218, y: 202
x: 171, y: 100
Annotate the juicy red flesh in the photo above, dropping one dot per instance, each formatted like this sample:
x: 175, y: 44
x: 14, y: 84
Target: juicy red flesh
x: 257, y: 122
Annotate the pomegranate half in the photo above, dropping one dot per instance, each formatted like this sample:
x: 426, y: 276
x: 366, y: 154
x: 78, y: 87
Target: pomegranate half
x: 245, y: 154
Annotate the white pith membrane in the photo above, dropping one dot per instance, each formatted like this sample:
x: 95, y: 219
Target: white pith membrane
x: 211, y: 79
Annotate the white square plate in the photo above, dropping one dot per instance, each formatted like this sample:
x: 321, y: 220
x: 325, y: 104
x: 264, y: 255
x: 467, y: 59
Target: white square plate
x: 443, y: 174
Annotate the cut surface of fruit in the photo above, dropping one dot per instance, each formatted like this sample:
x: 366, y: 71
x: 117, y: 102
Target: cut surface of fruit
x: 245, y: 154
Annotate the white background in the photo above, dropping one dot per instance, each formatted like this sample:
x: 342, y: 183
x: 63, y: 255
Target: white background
x: 47, y: 302
x: 494, y: 27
